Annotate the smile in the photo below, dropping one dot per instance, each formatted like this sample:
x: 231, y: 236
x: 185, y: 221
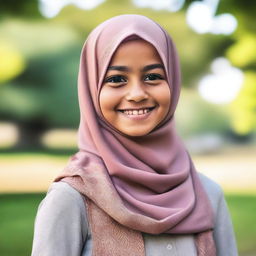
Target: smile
x: 137, y: 114
x: 140, y: 111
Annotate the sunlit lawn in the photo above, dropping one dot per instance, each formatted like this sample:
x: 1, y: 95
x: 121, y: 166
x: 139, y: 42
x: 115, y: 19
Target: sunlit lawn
x: 17, y: 213
x: 242, y: 209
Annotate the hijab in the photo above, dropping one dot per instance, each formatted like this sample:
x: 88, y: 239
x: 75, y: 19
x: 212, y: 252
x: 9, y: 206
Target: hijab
x: 147, y: 183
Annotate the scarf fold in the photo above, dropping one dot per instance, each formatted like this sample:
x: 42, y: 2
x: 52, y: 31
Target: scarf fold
x: 146, y: 184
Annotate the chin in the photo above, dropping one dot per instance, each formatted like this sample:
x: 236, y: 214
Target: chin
x: 136, y: 133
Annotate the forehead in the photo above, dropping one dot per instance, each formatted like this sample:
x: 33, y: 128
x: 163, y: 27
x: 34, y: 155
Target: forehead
x: 138, y: 49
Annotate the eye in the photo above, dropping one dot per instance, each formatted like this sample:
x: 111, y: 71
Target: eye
x: 153, y: 77
x: 115, y: 79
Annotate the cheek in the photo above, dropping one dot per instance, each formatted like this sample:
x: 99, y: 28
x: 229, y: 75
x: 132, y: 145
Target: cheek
x: 108, y: 100
x: 164, y: 97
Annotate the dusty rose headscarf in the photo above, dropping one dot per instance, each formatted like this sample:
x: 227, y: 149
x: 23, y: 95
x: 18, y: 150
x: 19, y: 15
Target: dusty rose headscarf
x: 146, y: 183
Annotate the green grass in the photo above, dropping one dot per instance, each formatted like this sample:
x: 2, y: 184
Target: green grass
x: 17, y: 214
x: 243, y: 209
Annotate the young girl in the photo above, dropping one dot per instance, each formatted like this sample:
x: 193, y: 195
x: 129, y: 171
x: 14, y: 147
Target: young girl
x: 132, y: 188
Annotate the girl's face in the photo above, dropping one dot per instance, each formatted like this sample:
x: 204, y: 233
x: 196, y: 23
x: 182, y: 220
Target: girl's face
x: 135, y: 96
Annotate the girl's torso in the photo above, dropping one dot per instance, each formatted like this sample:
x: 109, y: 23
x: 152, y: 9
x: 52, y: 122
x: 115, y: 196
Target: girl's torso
x: 62, y: 228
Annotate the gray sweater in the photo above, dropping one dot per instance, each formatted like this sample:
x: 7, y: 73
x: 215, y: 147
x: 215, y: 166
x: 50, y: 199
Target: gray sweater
x: 61, y: 227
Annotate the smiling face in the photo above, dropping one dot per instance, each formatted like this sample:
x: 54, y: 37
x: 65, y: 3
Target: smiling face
x: 135, y: 96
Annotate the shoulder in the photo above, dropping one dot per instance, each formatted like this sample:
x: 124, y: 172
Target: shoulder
x: 62, y: 197
x: 61, y: 216
x: 213, y: 190
x: 62, y: 207
x: 223, y: 232
x: 62, y: 190
x: 210, y: 185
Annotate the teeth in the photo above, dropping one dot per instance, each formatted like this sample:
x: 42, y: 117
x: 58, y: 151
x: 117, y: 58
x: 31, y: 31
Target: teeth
x: 136, y: 112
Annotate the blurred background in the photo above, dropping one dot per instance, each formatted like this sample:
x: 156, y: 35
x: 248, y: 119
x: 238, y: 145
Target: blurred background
x: 40, y: 44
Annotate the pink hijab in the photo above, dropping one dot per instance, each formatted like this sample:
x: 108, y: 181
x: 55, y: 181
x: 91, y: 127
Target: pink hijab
x: 146, y: 183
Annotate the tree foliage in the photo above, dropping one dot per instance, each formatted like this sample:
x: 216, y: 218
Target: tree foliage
x: 43, y: 85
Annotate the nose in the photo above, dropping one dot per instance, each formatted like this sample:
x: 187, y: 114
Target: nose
x: 137, y: 92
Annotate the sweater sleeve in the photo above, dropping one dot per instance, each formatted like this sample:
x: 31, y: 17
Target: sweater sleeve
x: 223, y: 231
x: 61, y: 224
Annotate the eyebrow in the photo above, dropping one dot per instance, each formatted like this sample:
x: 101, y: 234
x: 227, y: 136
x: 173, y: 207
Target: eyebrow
x: 146, y: 68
